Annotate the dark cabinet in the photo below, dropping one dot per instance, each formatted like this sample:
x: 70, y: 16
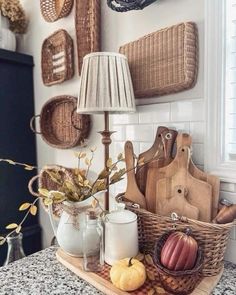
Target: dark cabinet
x: 17, y: 142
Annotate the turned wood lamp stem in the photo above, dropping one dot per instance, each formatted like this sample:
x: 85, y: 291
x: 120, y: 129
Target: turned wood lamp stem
x: 106, y: 140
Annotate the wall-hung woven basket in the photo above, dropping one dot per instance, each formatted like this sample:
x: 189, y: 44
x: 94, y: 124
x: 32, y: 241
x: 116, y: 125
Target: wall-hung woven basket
x: 60, y: 126
x: 57, y: 58
x: 87, y: 24
x: 53, y: 10
x: 165, y: 61
x: 46, y: 182
x: 127, y: 5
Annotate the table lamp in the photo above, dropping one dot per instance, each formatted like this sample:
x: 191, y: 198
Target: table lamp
x: 105, y: 87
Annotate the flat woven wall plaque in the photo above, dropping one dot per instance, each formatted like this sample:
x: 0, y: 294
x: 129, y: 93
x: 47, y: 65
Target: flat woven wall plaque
x: 165, y: 61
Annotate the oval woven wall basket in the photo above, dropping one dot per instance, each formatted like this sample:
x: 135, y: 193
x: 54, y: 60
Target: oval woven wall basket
x: 127, y: 5
x: 53, y: 10
x: 60, y: 126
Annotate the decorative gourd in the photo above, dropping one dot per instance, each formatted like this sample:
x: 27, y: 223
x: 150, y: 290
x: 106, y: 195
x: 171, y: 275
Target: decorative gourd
x: 179, y: 251
x: 128, y: 274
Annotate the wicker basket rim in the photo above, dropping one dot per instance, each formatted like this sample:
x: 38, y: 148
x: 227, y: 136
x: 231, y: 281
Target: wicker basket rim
x: 61, y: 7
x: 53, y: 102
x: 64, y: 33
x: 156, y: 258
x: 185, y: 24
x: 181, y: 218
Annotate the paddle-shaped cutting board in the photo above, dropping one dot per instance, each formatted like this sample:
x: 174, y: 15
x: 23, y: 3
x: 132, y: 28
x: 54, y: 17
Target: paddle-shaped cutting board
x: 132, y: 191
x: 199, y: 192
x: 175, y: 203
x: 185, y: 139
x: 167, y: 139
x: 141, y: 173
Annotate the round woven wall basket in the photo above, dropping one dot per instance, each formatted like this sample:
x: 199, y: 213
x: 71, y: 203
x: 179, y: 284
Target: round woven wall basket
x: 60, y: 126
x: 52, y: 10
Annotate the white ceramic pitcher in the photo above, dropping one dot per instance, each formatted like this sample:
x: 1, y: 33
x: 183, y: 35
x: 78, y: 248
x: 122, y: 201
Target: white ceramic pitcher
x: 69, y: 229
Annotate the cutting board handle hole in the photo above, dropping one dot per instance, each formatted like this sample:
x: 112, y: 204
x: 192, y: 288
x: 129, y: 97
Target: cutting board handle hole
x: 182, y: 150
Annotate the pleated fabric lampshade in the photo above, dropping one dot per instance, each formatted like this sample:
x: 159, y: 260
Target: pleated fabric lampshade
x: 106, y: 84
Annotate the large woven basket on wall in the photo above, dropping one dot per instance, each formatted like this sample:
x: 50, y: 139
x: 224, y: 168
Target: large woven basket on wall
x: 212, y: 238
x: 60, y: 126
x: 165, y: 61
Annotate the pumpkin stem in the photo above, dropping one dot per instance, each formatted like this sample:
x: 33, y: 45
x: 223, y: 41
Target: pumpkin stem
x: 188, y: 231
x: 130, y: 262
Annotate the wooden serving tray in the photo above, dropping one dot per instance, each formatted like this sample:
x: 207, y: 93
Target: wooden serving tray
x: 102, y: 282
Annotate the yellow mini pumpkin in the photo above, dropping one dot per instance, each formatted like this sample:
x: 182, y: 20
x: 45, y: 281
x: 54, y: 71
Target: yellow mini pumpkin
x: 128, y: 274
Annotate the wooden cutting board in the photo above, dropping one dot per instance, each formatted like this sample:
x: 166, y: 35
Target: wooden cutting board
x: 132, y: 191
x: 102, y: 282
x: 199, y: 192
x: 175, y: 203
x: 168, y: 139
x: 141, y: 173
x: 185, y: 139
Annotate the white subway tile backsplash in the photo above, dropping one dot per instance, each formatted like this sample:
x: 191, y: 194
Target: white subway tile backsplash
x: 229, y: 196
x: 187, y: 110
x: 183, y: 127
x: 197, y: 130
x: 198, y: 154
x: 228, y: 187
x: 140, y: 133
x: 124, y: 119
x: 144, y: 146
x: 119, y: 134
x: 155, y: 114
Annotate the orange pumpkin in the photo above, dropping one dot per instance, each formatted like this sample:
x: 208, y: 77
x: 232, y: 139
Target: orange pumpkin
x: 179, y: 251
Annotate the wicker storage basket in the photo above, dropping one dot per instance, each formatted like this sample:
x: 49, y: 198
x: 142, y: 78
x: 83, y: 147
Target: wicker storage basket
x: 58, y: 121
x: 87, y: 24
x: 165, y: 61
x: 177, y: 282
x: 52, y: 10
x: 212, y: 238
x: 57, y: 60
x: 46, y: 182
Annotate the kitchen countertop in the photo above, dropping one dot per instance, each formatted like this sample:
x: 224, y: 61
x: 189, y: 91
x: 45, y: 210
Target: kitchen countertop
x: 42, y: 274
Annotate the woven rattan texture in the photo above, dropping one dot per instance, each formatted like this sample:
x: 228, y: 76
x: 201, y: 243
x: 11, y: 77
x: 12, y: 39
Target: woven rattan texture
x: 57, y: 60
x: 164, y: 62
x: 212, y: 238
x: 87, y: 22
x: 177, y: 282
x: 57, y: 123
x: 53, y: 10
x: 148, y: 285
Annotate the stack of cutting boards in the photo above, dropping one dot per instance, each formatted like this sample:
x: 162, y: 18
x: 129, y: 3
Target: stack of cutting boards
x: 164, y: 185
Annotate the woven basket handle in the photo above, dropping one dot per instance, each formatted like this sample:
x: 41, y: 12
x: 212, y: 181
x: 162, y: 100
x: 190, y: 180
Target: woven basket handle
x: 72, y: 123
x: 30, y: 184
x: 32, y: 125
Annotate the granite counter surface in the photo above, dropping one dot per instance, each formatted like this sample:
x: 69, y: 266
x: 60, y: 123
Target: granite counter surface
x: 42, y: 274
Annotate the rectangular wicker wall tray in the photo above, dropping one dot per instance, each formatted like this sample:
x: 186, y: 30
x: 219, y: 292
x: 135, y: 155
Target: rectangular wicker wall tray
x: 102, y: 282
x: 165, y: 61
x: 87, y: 24
x: 53, y: 10
x: 57, y: 58
x: 60, y: 126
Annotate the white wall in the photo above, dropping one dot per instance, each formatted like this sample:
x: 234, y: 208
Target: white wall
x: 186, y: 113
